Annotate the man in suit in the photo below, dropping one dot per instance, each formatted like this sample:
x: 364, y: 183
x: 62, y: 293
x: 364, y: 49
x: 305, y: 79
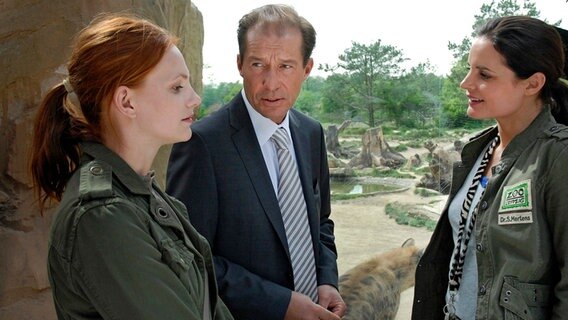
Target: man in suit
x: 228, y: 176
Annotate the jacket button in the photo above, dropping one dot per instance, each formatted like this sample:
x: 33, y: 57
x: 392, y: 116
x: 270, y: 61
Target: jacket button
x: 498, y: 168
x: 482, y: 291
x: 96, y: 170
x: 479, y: 247
x: 162, y: 213
x: 553, y: 128
x: 484, y: 205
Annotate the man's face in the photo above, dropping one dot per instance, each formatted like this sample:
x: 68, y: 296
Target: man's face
x: 272, y: 69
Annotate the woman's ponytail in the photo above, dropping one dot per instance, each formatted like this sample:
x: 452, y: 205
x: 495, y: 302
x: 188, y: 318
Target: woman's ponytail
x: 55, y: 149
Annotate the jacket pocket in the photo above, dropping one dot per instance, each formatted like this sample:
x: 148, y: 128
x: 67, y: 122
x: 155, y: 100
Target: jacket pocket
x: 526, y: 301
x: 178, y: 258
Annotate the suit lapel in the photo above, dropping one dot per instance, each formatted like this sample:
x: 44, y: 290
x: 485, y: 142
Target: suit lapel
x: 247, y: 146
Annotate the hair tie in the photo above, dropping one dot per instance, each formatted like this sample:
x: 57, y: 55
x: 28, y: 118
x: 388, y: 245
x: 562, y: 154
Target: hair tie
x: 563, y: 81
x: 71, y: 102
x: 67, y: 85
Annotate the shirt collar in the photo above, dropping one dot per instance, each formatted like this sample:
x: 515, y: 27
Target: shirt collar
x: 264, y: 127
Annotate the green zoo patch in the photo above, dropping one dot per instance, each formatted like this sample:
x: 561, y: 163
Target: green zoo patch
x: 516, y: 197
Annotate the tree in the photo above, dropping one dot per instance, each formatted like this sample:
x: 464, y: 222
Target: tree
x: 413, y: 99
x: 214, y: 96
x: 309, y: 100
x: 365, y: 68
x: 336, y: 99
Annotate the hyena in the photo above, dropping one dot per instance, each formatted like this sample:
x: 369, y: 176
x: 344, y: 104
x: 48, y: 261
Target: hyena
x: 372, y: 288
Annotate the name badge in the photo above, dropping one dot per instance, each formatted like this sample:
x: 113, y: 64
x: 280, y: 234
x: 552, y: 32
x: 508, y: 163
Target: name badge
x: 515, y: 218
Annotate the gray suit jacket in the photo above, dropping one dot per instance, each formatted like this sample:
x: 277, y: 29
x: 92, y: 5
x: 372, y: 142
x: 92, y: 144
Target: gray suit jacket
x: 221, y: 176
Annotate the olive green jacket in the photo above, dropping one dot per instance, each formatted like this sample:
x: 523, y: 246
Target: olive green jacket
x: 521, y: 230
x: 115, y: 252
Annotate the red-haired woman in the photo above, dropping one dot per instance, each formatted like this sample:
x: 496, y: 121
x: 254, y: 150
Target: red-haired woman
x: 120, y: 248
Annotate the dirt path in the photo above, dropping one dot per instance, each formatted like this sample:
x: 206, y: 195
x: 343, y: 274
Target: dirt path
x: 363, y: 229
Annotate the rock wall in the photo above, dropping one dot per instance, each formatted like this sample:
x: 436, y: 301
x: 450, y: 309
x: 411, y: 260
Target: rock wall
x: 35, y: 38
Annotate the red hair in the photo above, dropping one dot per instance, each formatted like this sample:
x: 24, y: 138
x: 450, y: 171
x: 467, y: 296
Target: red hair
x: 112, y: 51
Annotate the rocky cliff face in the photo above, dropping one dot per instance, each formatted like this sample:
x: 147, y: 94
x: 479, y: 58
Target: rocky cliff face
x: 35, y: 41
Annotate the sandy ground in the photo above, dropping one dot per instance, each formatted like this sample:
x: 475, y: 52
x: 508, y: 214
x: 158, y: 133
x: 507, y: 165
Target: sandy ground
x: 363, y: 229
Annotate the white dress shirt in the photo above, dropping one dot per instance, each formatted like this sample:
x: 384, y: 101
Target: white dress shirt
x: 264, y: 129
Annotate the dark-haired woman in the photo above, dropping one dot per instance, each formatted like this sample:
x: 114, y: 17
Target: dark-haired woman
x: 500, y: 249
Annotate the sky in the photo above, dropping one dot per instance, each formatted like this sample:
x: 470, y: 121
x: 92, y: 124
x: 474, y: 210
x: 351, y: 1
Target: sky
x: 420, y: 28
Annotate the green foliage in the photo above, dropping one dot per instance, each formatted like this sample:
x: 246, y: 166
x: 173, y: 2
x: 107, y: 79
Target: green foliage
x: 400, y: 148
x: 414, y: 144
x: 369, y: 84
x: 309, y: 100
x: 365, y: 71
x: 414, y: 99
x: 347, y: 196
x: 383, y: 173
x: 216, y: 95
x: 405, y: 216
x: 357, y: 132
x: 424, y: 192
x: 454, y: 100
x: 422, y: 170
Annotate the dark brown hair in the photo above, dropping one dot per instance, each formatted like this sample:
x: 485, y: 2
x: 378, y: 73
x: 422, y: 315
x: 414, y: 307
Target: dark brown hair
x: 282, y: 16
x: 113, y: 50
x: 530, y: 45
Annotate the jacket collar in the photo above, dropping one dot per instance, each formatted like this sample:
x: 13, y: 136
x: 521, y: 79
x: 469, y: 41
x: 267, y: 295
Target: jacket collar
x: 541, y: 127
x: 120, y: 169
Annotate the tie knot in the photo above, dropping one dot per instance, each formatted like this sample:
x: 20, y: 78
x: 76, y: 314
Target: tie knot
x: 280, y: 137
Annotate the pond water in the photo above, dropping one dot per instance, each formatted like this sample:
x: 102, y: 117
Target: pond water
x: 354, y: 187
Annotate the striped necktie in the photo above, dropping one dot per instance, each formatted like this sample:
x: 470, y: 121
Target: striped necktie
x: 295, y: 217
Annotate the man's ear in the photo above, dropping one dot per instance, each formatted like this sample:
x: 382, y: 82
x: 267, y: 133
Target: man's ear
x: 535, y: 83
x: 122, y: 101
x: 308, y: 68
x: 240, y: 64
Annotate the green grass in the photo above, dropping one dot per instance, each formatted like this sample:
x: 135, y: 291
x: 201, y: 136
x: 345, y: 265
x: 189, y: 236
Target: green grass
x: 342, y: 191
x: 424, y: 192
x: 347, y: 196
x: 382, y: 173
x: 404, y: 216
x: 421, y: 170
x: 400, y: 148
